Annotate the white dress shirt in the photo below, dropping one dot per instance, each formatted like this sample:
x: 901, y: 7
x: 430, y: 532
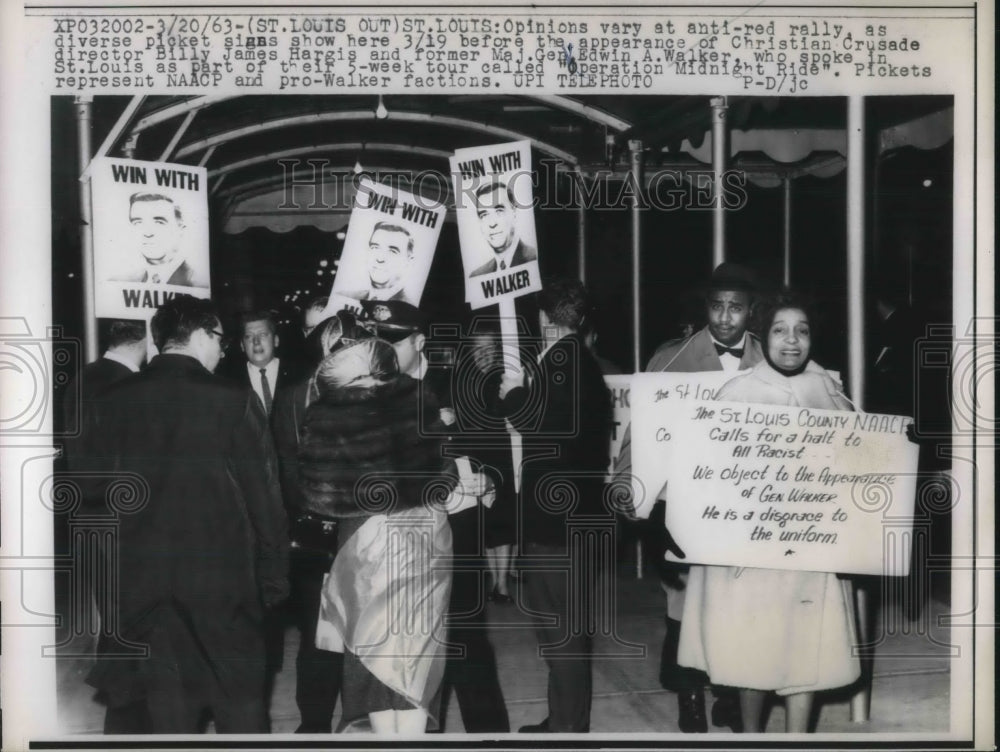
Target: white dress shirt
x: 272, y: 378
x: 729, y: 361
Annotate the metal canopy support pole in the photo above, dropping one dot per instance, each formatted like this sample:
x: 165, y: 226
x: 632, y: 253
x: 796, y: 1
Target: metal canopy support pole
x: 83, y: 122
x: 787, y: 277
x: 856, y: 248
x: 635, y: 163
x: 719, y: 151
x: 178, y: 135
x: 635, y: 160
x: 581, y: 230
x: 114, y: 134
x: 861, y: 701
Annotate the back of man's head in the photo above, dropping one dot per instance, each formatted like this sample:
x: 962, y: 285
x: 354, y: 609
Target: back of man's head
x: 125, y: 333
x: 565, y: 302
x: 175, y: 321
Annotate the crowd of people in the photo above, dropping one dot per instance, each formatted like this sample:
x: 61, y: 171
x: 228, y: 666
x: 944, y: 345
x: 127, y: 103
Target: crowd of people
x: 371, y: 495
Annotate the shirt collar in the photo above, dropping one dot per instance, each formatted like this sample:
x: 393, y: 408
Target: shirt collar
x: 741, y: 344
x: 384, y: 293
x: 507, y: 256
x: 271, y: 368
x: 166, y: 271
x: 548, y: 347
x: 123, y: 360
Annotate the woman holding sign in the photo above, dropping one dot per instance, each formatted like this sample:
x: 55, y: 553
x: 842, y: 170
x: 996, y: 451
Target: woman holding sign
x: 364, y: 460
x: 767, y: 629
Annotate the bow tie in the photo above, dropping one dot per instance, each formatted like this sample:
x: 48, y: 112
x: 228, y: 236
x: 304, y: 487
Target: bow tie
x: 736, y: 352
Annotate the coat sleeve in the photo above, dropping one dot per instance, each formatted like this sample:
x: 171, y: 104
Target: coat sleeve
x: 285, y: 421
x: 255, y: 469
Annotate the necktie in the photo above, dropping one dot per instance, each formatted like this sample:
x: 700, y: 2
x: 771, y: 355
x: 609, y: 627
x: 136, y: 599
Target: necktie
x: 503, y: 265
x: 736, y: 352
x: 155, y: 278
x: 266, y: 388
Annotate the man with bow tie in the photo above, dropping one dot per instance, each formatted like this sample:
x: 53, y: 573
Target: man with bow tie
x: 723, y: 345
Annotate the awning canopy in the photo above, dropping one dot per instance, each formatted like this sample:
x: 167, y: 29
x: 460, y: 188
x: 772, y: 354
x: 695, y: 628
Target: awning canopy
x: 248, y: 143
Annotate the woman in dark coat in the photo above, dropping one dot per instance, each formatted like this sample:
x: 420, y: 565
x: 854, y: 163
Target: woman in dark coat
x: 365, y: 461
x: 762, y: 630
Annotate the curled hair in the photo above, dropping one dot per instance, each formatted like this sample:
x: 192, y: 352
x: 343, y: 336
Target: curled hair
x: 781, y: 301
x: 362, y: 365
x: 331, y: 334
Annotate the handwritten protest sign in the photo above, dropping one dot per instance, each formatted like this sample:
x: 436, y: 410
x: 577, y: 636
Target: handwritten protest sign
x: 388, y: 249
x: 496, y: 223
x: 678, y: 386
x: 150, y: 235
x: 777, y: 487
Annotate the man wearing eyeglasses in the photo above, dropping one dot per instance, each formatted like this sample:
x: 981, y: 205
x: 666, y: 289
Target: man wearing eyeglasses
x: 202, y: 544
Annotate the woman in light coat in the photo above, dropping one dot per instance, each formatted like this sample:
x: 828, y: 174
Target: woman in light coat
x: 763, y: 630
x: 365, y: 461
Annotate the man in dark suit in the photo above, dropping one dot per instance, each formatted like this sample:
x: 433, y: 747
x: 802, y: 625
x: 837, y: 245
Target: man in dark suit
x: 723, y: 345
x: 267, y: 376
x: 263, y: 372
x: 495, y: 206
x: 203, y: 545
x: 564, y: 417
x: 471, y: 670
x: 157, y: 227
x: 125, y: 355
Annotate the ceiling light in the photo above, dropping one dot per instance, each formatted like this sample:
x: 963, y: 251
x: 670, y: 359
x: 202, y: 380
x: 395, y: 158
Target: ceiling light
x: 358, y: 169
x: 928, y: 183
x: 324, y: 262
x: 319, y: 272
x: 341, y: 235
x: 381, y: 112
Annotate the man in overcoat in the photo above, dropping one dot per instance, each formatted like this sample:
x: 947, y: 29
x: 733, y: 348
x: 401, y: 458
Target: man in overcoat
x: 202, y: 534
x: 563, y: 412
x: 724, y: 344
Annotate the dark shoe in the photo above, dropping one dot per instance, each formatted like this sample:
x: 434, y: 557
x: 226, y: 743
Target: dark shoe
x: 691, y: 712
x: 492, y: 595
x: 726, y: 711
x: 501, y: 598
x: 537, y: 728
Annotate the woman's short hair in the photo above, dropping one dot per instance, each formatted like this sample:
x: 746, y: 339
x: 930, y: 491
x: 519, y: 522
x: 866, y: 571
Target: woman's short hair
x: 364, y: 364
x: 333, y: 333
x: 781, y: 301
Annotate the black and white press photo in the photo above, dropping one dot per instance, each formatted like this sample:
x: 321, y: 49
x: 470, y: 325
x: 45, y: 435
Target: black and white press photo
x: 610, y: 376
